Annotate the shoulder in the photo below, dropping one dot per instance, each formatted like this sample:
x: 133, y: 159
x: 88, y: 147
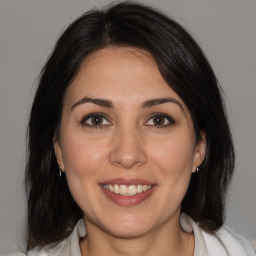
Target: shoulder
x: 64, y: 248
x: 47, y: 250
x: 229, y: 242
x: 224, y: 242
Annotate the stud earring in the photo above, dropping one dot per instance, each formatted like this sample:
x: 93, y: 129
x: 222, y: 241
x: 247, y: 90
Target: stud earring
x: 60, y: 172
x: 197, y: 169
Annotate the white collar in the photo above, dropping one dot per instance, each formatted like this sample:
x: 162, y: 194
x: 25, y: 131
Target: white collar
x: 71, y: 247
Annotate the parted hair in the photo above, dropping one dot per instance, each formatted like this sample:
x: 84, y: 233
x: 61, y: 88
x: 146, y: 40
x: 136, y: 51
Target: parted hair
x: 52, y: 212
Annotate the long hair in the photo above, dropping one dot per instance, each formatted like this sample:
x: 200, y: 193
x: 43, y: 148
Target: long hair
x: 52, y: 212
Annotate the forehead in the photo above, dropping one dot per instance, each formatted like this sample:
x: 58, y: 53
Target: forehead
x: 119, y: 74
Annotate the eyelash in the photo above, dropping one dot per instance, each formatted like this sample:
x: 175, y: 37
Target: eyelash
x: 100, y: 115
x: 161, y: 115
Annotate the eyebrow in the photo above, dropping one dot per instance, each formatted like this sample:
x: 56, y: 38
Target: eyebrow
x: 100, y: 102
x: 108, y: 104
x: 154, y: 102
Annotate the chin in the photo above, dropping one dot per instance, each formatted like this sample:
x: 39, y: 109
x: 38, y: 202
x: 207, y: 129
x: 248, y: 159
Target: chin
x: 129, y: 232
x: 127, y: 227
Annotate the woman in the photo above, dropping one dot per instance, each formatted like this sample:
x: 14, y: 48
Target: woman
x: 128, y: 137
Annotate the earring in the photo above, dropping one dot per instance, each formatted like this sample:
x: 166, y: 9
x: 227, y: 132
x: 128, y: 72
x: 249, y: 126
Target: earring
x: 60, y: 172
x: 197, y: 169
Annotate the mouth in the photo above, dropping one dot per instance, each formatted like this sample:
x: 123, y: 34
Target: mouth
x: 127, y: 192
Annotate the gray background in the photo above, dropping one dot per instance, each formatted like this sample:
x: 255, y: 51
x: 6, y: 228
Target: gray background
x: 226, y: 30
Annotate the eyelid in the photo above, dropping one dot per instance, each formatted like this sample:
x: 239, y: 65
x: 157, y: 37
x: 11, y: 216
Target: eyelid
x: 93, y: 114
x: 170, y: 119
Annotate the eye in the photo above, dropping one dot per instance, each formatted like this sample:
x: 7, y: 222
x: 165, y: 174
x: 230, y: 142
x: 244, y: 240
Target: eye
x: 160, y: 120
x: 95, y: 120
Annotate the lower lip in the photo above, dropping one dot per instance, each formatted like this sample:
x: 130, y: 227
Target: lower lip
x: 127, y: 200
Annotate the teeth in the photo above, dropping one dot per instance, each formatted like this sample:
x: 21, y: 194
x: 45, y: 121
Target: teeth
x: 123, y: 190
x: 116, y: 189
x: 132, y: 190
x: 144, y: 188
x: 127, y: 190
x: 139, y: 189
x: 110, y: 188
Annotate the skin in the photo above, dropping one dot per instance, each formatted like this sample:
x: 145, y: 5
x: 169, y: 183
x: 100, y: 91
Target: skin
x: 129, y: 143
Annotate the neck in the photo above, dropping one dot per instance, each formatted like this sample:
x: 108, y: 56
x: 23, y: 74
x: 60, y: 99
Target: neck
x: 169, y: 239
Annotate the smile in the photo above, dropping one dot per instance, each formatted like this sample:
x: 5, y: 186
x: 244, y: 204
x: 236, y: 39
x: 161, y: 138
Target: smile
x: 125, y: 190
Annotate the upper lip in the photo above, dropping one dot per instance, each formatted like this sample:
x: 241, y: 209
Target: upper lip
x: 127, y: 182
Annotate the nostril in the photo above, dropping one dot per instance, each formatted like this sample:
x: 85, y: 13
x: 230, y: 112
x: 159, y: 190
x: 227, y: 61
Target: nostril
x: 127, y: 159
x: 127, y: 149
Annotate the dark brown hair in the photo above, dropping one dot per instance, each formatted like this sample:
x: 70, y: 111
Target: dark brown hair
x: 52, y: 212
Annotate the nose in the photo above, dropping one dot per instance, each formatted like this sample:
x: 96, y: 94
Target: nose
x: 127, y: 150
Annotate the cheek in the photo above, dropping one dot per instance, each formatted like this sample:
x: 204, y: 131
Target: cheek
x: 174, y: 155
x: 173, y: 162
x: 81, y: 155
x: 83, y: 163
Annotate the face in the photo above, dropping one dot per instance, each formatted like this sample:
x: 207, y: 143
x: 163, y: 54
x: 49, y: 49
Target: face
x: 127, y: 144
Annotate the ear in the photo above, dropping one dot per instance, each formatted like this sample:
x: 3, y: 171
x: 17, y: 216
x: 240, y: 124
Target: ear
x: 58, y: 152
x: 199, y: 151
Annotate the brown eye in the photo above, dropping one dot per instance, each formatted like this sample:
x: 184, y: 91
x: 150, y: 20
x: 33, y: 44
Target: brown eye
x: 160, y: 121
x: 95, y: 120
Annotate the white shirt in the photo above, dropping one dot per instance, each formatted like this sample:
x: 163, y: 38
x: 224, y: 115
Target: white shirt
x: 224, y: 243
